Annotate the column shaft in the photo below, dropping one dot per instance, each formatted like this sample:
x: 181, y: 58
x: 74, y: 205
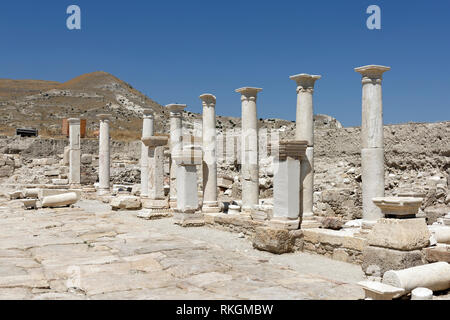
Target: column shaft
x: 75, y: 152
x: 249, y: 149
x: 209, y: 164
x: 372, y: 141
x: 147, y: 131
x: 304, y: 131
x: 104, y: 154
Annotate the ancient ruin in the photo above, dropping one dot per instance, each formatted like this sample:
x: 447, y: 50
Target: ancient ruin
x: 194, y: 204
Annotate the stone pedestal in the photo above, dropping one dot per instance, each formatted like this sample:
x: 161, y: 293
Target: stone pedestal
x: 210, y: 204
x: 176, y: 131
x: 104, y: 165
x: 186, y: 213
x: 304, y: 131
x: 372, y: 140
x: 249, y: 149
x: 286, y: 184
x: 74, y: 153
x: 155, y: 202
x: 147, y: 131
x: 395, y: 244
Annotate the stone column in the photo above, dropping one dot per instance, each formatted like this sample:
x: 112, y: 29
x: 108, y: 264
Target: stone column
x: 176, y: 131
x: 104, y: 163
x: 74, y: 153
x: 210, y: 203
x: 286, y: 184
x: 147, y: 131
x: 156, y: 201
x: 372, y: 139
x: 187, y: 195
x: 249, y: 149
x: 304, y: 131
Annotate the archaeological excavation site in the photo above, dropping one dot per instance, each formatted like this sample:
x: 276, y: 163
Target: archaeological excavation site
x: 106, y: 194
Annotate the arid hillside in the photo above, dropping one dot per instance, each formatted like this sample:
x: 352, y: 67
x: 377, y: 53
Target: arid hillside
x: 43, y: 104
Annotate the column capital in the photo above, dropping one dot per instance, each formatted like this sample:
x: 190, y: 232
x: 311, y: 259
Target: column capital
x: 305, y: 82
x: 248, y: 93
x: 372, y: 73
x: 155, y: 141
x: 295, y: 149
x: 208, y: 100
x: 176, y: 109
x: 73, y: 121
x: 104, y: 116
x: 148, y: 112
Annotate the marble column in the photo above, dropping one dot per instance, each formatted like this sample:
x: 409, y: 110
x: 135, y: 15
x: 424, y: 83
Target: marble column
x: 156, y: 200
x: 249, y: 149
x: 286, y: 184
x: 210, y: 203
x: 74, y: 153
x: 187, y: 160
x: 304, y: 131
x: 176, y: 132
x: 372, y: 139
x: 147, y: 131
x: 104, y: 163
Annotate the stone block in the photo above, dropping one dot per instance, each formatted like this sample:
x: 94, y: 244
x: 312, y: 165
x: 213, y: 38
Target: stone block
x: 380, y: 291
x: 126, y: 203
x: 441, y: 233
x: 438, y: 253
x: 224, y: 182
x: 155, y: 214
x: 6, y: 171
x: 51, y: 173
x: 189, y: 219
x: 60, y: 182
x: 400, y: 234
x: 390, y: 259
x: 16, y: 195
x: 275, y: 240
x: 333, y: 223
x: 30, y: 203
x: 86, y: 158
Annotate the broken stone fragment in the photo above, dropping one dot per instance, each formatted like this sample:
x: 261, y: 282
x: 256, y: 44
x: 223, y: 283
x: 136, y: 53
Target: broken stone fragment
x: 126, y: 203
x: 332, y: 223
x: 434, y: 276
x: 16, y: 195
x: 60, y: 200
x: 380, y: 291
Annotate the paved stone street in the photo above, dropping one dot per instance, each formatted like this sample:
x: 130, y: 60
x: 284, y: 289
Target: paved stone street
x: 91, y: 252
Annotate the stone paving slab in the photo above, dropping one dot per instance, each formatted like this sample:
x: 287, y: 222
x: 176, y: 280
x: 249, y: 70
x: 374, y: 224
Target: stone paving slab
x: 72, y: 253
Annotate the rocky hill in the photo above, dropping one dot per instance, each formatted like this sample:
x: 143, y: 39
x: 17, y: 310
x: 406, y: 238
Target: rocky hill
x: 43, y: 104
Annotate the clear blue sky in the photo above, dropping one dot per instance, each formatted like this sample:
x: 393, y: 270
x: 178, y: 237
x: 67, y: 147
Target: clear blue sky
x: 173, y: 51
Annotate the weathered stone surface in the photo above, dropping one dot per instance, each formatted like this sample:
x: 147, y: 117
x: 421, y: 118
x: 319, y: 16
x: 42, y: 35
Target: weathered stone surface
x: 435, y: 276
x: 380, y: 291
x: 400, y: 234
x: 60, y: 200
x: 274, y: 240
x: 332, y: 223
x: 126, y: 203
x: 390, y: 259
x: 437, y: 254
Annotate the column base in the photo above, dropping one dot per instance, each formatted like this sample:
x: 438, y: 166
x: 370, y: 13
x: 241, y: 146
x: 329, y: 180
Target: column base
x: 307, y: 215
x: 103, y: 192
x: 211, y: 207
x: 285, y: 224
x: 185, y: 219
x: 154, y: 214
x: 173, y: 203
x: 155, y: 203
